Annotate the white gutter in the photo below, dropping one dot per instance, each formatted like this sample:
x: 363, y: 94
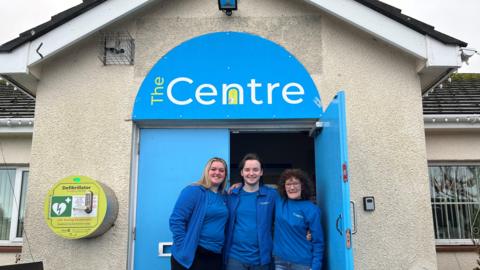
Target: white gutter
x: 452, y: 121
x: 16, y: 125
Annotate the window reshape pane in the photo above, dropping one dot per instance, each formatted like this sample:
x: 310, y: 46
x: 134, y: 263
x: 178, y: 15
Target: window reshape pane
x: 21, y: 210
x: 455, y: 201
x: 7, y: 184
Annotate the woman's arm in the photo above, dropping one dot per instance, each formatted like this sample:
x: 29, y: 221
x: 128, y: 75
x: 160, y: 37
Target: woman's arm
x: 182, y: 212
x: 315, y: 227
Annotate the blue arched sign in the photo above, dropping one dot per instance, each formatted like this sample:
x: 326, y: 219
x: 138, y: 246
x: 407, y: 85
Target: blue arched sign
x: 227, y: 75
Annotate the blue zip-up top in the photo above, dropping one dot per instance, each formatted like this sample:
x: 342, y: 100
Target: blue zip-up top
x: 186, y: 223
x: 265, y: 209
x: 292, y: 220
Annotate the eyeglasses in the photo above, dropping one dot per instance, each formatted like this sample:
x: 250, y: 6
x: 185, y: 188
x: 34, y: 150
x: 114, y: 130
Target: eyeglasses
x: 292, y: 184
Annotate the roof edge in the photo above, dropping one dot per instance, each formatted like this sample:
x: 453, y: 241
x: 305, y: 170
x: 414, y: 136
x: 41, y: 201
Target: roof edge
x: 419, y: 26
x: 55, y: 21
x: 452, y: 121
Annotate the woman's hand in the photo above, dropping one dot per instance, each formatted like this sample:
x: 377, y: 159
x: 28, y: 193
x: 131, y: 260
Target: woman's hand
x: 232, y: 187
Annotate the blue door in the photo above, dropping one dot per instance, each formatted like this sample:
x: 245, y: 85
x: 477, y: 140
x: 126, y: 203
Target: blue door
x: 169, y: 160
x: 333, y: 188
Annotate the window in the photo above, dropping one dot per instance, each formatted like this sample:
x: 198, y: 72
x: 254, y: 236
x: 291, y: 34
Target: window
x: 13, y: 187
x: 455, y: 201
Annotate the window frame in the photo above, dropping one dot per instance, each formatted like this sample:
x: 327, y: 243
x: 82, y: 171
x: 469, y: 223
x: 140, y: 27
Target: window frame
x: 13, y: 239
x: 450, y: 242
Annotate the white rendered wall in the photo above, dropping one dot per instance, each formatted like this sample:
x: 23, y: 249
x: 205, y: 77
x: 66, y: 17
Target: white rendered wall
x: 15, y: 149
x: 7, y: 258
x: 454, y: 145
x: 457, y: 260
x: 386, y: 148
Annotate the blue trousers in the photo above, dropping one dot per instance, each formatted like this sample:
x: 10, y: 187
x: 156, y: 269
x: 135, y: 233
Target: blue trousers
x: 233, y: 264
x: 281, y: 264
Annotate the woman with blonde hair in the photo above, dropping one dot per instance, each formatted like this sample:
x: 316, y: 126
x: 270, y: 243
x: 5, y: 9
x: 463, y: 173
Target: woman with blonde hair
x: 198, y: 220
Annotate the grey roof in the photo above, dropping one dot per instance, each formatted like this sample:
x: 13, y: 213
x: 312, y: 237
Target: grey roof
x: 460, y: 95
x: 65, y: 16
x: 15, y: 103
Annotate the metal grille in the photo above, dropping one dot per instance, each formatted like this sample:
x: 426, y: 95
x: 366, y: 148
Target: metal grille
x: 116, y: 48
x: 455, y: 199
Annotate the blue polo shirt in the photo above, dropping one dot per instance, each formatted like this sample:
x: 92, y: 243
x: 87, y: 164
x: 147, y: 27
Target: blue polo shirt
x: 212, y: 234
x: 292, y: 220
x: 245, y: 238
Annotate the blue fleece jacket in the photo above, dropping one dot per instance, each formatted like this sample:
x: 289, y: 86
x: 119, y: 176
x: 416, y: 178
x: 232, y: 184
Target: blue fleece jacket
x: 292, y: 220
x: 186, y: 223
x: 265, y: 209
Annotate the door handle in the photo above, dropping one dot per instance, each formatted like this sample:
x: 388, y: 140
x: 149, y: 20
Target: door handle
x: 339, y: 218
x: 354, y: 217
x: 162, y: 247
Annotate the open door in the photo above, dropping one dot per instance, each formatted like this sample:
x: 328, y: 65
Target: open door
x: 169, y: 160
x: 333, y: 187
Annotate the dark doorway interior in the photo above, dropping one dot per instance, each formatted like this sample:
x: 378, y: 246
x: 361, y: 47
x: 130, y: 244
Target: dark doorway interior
x: 278, y: 151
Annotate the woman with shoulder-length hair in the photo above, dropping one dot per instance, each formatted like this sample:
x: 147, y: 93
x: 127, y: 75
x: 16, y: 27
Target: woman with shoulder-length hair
x: 295, y: 215
x: 198, y: 221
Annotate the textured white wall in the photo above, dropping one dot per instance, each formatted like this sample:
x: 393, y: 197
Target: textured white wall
x: 453, y: 145
x: 457, y: 260
x: 7, y: 258
x: 386, y: 147
x: 82, y: 127
x: 83, y: 108
x: 15, y: 148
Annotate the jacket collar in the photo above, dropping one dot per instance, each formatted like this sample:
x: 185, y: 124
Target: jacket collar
x: 262, y: 191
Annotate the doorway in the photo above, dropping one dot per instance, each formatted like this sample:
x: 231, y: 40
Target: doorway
x: 278, y: 151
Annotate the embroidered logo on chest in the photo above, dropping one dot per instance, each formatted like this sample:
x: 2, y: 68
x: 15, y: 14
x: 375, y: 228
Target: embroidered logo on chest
x: 298, y: 215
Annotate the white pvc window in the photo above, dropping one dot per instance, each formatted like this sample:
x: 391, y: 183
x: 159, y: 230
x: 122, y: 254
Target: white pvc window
x: 455, y: 199
x: 13, y: 187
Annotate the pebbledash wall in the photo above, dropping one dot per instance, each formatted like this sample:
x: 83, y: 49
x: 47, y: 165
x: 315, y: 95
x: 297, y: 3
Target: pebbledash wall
x: 83, y: 126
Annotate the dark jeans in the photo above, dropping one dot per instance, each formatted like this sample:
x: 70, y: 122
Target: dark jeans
x: 204, y: 260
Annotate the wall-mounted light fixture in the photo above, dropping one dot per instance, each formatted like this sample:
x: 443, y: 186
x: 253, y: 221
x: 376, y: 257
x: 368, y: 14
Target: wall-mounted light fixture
x: 227, y: 6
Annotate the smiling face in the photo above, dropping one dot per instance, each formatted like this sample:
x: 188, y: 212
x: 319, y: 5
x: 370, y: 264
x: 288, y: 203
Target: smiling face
x: 251, y: 172
x: 293, y: 188
x: 217, y: 173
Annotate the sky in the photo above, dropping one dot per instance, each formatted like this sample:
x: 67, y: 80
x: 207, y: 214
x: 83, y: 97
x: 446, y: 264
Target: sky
x: 457, y: 18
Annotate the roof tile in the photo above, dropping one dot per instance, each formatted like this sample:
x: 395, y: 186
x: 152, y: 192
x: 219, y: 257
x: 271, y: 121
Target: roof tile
x: 15, y: 103
x: 459, y: 96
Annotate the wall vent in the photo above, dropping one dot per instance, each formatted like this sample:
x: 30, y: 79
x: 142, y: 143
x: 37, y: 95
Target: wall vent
x: 116, y: 48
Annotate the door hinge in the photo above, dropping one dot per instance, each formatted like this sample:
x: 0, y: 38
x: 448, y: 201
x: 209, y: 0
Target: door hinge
x: 316, y: 128
x: 348, y: 238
